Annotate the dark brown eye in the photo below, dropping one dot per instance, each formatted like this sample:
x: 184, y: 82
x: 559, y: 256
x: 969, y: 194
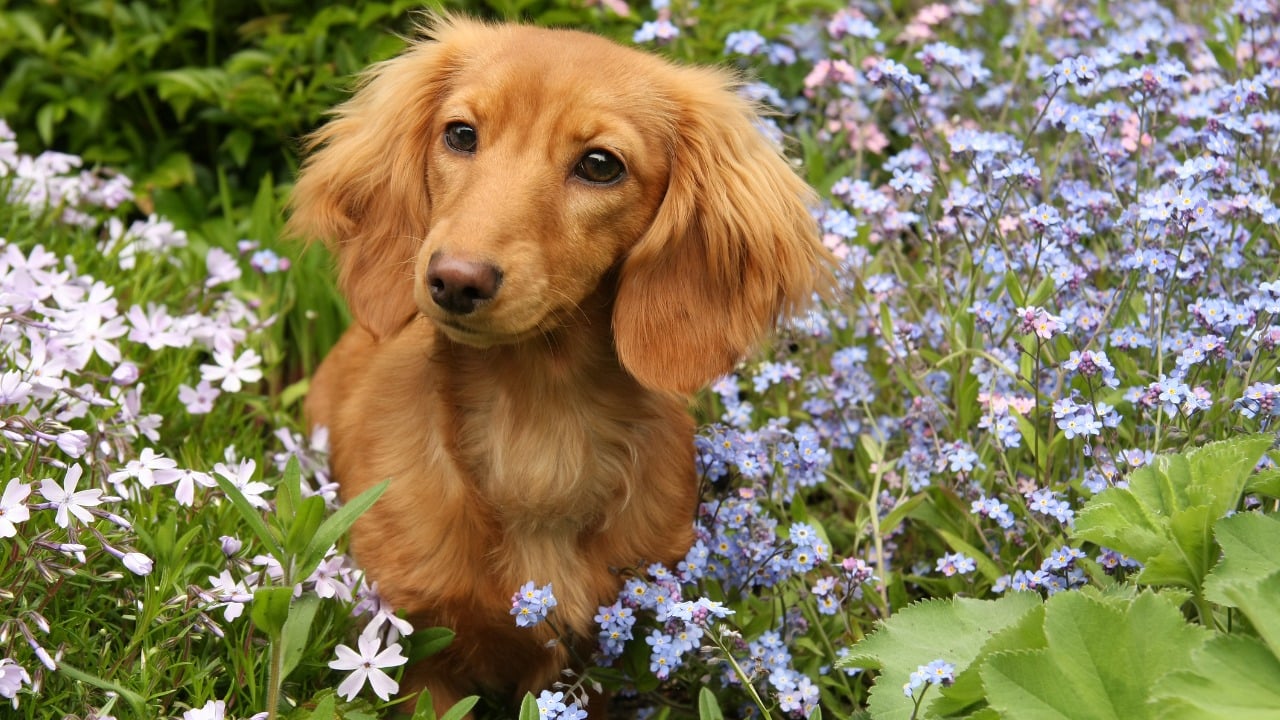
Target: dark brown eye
x: 461, y: 137
x: 599, y: 167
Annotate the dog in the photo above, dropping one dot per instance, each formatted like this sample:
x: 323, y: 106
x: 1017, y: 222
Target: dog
x: 548, y: 242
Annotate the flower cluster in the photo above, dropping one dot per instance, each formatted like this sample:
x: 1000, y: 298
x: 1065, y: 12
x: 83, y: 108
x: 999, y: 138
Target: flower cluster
x: 938, y: 672
x: 82, y: 370
x: 530, y: 604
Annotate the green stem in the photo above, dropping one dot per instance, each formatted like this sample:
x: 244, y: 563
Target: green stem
x: 746, y: 681
x: 274, y: 680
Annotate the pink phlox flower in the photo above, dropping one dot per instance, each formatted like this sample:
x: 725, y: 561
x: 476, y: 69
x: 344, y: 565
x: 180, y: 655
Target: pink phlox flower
x: 233, y: 371
x: 13, y: 507
x: 12, y: 677
x: 330, y: 578
x: 185, y: 490
x: 68, y: 500
x: 155, y: 328
x: 199, y: 399
x: 371, y: 602
x: 366, y: 666
x: 221, y: 266
x: 149, y: 469
x: 241, y: 476
x: 228, y: 594
x: 212, y: 710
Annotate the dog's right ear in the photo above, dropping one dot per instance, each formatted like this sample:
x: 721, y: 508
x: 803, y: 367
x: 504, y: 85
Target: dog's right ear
x: 363, y: 188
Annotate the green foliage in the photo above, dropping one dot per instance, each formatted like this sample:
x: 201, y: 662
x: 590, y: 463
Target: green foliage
x: 1113, y: 656
x: 1231, y: 677
x: 956, y: 630
x: 1099, y: 661
x: 1164, y: 518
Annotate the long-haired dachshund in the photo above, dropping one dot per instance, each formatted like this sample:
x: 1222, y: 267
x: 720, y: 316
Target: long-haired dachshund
x: 548, y: 242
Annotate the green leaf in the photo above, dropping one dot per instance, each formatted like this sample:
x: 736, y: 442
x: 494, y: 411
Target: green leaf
x: 529, y: 708
x: 1102, y: 658
x: 1013, y: 285
x: 335, y: 526
x: 1249, y: 542
x: 1258, y: 602
x: 270, y: 609
x: 135, y: 700
x: 302, y: 526
x: 326, y: 709
x: 460, y: 710
x: 1224, y: 469
x: 1231, y: 677
x: 252, y: 517
x: 967, y: 691
x: 708, y: 706
x: 175, y: 169
x: 1164, y: 518
x: 289, y: 492
x: 427, y: 642
x: 1266, y: 482
x: 424, y: 708
x: 953, y: 630
x: 297, y: 630
x: 1187, y: 559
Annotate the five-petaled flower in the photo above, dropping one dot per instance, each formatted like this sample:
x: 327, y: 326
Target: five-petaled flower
x: 68, y: 500
x: 13, y: 507
x: 366, y: 666
x: 531, y: 604
x: 233, y: 371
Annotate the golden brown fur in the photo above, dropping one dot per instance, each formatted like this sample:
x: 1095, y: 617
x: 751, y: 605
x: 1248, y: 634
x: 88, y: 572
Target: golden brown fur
x: 543, y: 434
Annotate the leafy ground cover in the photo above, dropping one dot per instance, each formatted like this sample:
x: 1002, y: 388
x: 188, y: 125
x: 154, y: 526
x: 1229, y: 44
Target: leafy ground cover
x: 1023, y: 469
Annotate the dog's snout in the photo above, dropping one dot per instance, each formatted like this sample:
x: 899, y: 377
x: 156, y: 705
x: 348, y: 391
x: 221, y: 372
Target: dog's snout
x: 461, y: 286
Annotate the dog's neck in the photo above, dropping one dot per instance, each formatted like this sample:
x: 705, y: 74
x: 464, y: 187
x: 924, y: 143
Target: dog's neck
x: 547, y: 427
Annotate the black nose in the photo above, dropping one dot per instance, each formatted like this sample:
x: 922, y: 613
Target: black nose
x: 461, y: 286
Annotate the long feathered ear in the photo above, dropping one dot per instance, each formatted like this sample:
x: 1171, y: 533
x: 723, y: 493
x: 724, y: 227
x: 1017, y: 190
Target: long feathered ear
x: 732, y: 247
x: 363, y: 189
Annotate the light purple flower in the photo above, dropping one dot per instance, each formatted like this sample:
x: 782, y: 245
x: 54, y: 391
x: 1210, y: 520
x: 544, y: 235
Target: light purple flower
x: 12, y: 677
x: 68, y: 500
x: 366, y: 666
x: 241, y: 476
x: 13, y: 507
x: 212, y: 710
x: 233, y: 371
x: 199, y: 400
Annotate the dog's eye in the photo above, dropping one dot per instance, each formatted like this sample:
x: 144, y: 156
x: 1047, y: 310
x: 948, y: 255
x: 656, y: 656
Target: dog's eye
x: 461, y: 137
x: 599, y: 167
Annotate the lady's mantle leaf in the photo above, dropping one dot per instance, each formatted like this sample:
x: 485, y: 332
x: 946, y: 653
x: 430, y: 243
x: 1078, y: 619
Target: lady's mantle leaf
x: 1102, y: 660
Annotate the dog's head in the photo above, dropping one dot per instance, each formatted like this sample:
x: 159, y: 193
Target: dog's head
x: 492, y: 178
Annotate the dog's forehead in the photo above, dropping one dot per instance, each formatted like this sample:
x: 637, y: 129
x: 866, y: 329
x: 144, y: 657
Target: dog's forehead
x: 566, y: 63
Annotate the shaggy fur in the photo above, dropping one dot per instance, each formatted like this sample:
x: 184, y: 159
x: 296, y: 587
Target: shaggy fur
x: 540, y: 433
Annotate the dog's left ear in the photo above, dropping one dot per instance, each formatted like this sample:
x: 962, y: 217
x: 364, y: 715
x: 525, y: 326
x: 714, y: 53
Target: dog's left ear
x: 732, y: 247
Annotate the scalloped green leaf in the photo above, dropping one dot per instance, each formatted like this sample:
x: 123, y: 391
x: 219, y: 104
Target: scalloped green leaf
x: 1249, y: 542
x: 954, y: 630
x: 967, y: 692
x: 1164, y: 518
x: 1102, y: 659
x: 1233, y: 677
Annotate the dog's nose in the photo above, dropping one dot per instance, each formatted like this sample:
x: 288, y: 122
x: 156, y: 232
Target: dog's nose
x: 460, y: 286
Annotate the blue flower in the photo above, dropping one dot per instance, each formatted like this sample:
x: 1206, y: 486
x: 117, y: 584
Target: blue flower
x: 956, y: 564
x: 552, y: 707
x: 661, y: 31
x: 1076, y: 71
x: 744, y: 42
x: 531, y: 604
